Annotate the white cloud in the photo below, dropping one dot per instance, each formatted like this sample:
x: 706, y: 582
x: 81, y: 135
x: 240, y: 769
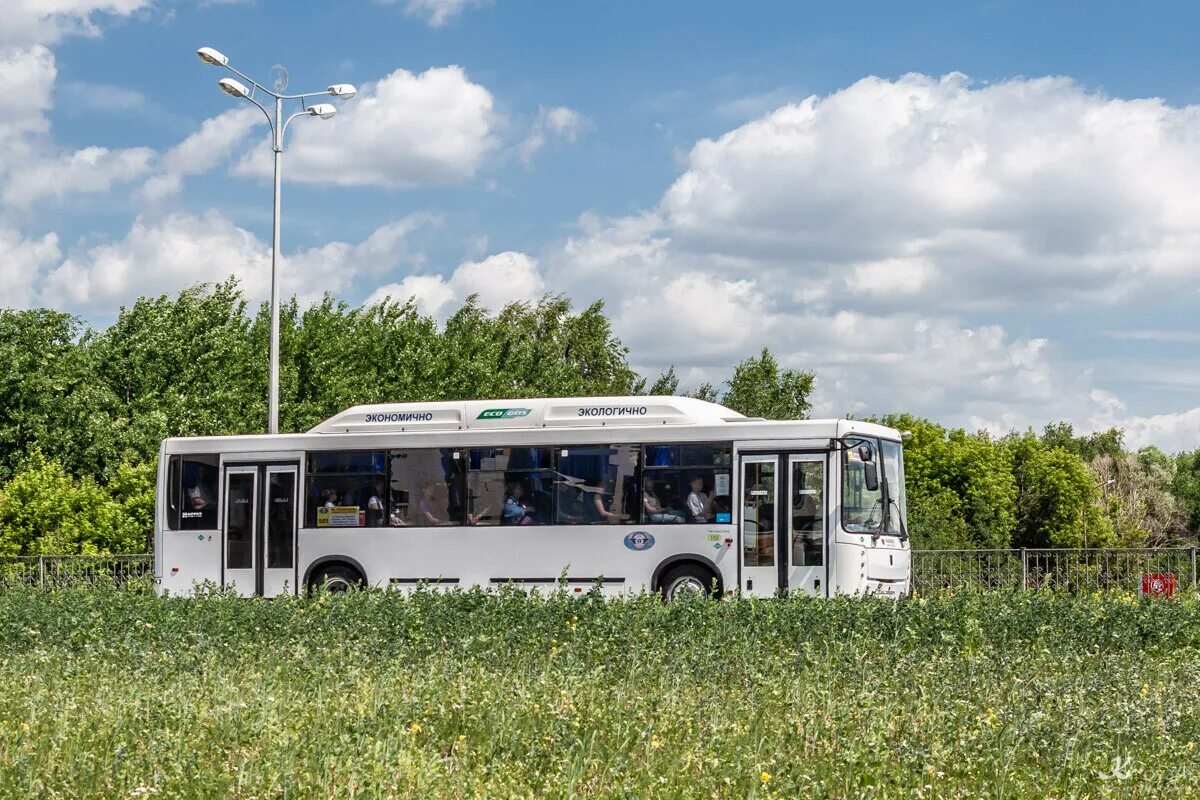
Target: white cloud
x: 92, y: 170
x: 437, y: 13
x: 1172, y: 432
x: 497, y: 280
x: 999, y: 191
x: 405, y: 130
x: 27, y: 75
x: 21, y: 263
x: 47, y: 21
x: 558, y: 123
x: 31, y: 169
x: 874, y: 236
x: 209, y: 147
x: 163, y: 256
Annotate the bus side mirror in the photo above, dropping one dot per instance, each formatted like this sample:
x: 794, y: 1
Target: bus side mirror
x: 871, y: 476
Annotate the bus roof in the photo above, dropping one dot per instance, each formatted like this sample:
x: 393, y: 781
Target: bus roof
x: 556, y: 412
x: 542, y: 420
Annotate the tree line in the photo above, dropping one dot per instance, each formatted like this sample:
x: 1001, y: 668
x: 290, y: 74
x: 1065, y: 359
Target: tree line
x: 82, y: 413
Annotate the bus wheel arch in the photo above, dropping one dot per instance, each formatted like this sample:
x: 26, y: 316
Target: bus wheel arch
x: 687, y: 573
x: 335, y: 573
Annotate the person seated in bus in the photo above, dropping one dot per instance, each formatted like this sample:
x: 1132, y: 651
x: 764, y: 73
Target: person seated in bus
x: 426, y: 507
x: 601, y: 502
x: 516, y: 510
x: 330, y: 498
x: 375, y: 507
x: 699, y: 504
x: 655, y: 511
x: 568, y: 503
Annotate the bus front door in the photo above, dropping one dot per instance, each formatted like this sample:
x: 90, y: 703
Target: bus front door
x: 783, y: 523
x: 260, y: 528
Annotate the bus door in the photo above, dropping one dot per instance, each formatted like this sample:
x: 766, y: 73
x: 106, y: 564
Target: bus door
x: 260, y: 528
x: 783, y: 523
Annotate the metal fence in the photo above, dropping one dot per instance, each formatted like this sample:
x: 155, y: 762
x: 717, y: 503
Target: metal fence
x: 1071, y: 570
x: 1065, y: 569
x: 135, y: 570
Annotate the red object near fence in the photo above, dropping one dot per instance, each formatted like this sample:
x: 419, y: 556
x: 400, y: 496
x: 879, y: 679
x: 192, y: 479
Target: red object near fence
x: 1158, y: 585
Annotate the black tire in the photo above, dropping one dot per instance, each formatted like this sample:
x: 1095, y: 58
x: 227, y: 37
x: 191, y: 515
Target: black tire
x: 689, y: 579
x: 335, y: 579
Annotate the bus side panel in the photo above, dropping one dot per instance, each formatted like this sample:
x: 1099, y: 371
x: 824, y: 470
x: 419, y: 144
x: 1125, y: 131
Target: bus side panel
x: 536, y: 555
x: 189, y: 558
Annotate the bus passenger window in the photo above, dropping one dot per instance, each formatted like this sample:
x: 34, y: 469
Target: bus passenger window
x: 199, y: 476
x: 686, y: 483
x: 346, y: 489
x: 509, y: 486
x: 427, y: 487
x: 597, y: 485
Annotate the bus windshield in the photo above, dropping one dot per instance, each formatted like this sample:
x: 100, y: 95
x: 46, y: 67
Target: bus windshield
x: 893, y: 470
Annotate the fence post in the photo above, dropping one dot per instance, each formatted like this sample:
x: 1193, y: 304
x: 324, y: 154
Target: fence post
x: 1193, y: 567
x: 1024, y: 571
x: 42, y: 571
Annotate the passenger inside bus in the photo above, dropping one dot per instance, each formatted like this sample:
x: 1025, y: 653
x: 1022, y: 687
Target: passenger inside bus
x: 426, y: 507
x: 699, y: 504
x: 656, y: 512
x: 374, y: 515
x: 516, y: 509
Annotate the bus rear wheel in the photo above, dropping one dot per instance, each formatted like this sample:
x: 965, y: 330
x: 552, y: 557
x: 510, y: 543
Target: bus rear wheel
x: 335, y: 579
x: 688, y: 580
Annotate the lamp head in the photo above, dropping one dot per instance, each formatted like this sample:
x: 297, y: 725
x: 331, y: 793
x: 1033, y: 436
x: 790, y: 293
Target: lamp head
x: 322, y: 110
x: 233, y: 88
x: 343, y: 91
x: 210, y: 55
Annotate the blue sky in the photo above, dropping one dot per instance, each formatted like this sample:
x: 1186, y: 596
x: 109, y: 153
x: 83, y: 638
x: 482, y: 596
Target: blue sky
x: 981, y: 213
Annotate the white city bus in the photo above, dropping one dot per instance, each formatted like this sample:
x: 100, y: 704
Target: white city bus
x: 665, y: 494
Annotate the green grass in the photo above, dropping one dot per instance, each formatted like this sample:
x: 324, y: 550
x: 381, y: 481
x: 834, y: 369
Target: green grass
x: 105, y: 693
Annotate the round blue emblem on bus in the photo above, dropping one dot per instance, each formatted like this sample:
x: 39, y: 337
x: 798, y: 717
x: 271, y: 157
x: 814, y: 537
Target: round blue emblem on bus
x: 639, y: 540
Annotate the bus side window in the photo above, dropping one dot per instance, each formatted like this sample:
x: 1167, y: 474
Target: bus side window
x: 426, y: 487
x: 509, y: 486
x: 350, y: 484
x: 597, y: 485
x: 686, y: 483
x: 173, y: 487
x: 199, y: 492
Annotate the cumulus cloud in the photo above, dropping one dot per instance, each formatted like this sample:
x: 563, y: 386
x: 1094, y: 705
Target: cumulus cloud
x: 989, y: 192
x: 206, y: 149
x: 92, y: 170
x: 497, y: 280
x: 163, y: 256
x: 437, y: 13
x: 27, y: 73
x: 405, y: 130
x: 47, y: 21
x: 552, y: 124
x: 875, y: 235
x: 22, y: 263
x: 31, y: 167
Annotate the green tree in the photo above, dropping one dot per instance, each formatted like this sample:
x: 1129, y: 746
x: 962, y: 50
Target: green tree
x: 50, y: 397
x: 1185, y: 487
x: 960, y: 486
x: 43, y: 509
x: 1058, y: 502
x: 759, y: 388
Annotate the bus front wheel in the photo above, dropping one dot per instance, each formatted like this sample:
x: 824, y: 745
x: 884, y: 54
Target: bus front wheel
x: 688, y: 580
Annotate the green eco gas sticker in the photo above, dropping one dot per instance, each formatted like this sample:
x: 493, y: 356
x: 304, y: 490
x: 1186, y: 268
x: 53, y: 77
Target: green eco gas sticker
x: 504, y: 413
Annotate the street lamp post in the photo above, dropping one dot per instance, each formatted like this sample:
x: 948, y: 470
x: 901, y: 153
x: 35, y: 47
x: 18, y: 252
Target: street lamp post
x: 278, y: 124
